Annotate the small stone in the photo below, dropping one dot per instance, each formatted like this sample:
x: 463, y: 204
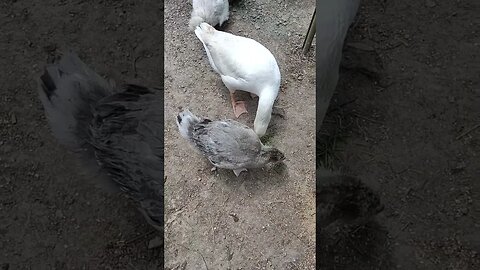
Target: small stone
x: 430, y: 3
x: 59, y: 213
x: 234, y: 216
x: 230, y: 255
x: 155, y: 242
x: 13, y: 118
x: 459, y: 167
x: 50, y: 48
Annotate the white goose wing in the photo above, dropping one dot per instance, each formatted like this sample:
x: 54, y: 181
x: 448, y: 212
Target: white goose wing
x: 235, y: 56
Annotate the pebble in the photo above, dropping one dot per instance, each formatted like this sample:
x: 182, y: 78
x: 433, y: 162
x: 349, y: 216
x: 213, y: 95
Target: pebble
x: 13, y: 118
x: 155, y: 242
x: 234, y: 216
x: 430, y: 3
x: 59, y: 213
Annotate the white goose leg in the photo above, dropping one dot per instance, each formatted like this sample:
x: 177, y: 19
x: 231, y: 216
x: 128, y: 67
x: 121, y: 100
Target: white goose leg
x: 238, y: 106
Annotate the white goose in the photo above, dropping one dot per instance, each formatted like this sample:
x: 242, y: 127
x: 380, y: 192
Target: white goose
x: 243, y: 64
x: 332, y: 23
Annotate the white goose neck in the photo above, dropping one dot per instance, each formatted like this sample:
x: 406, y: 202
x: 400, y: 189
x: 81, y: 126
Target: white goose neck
x: 264, y: 112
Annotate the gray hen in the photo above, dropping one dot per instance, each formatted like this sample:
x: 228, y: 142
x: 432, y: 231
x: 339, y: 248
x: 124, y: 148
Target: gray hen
x: 122, y: 129
x: 348, y: 235
x: 227, y: 144
x: 341, y: 197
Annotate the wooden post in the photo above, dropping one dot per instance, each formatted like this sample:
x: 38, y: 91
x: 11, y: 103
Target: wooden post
x: 312, y: 29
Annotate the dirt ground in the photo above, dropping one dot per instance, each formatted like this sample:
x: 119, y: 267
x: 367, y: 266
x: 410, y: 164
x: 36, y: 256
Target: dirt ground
x: 52, y: 216
x: 409, y: 133
x: 264, y: 219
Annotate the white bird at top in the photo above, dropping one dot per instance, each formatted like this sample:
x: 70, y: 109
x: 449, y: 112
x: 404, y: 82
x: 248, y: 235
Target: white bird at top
x: 213, y: 12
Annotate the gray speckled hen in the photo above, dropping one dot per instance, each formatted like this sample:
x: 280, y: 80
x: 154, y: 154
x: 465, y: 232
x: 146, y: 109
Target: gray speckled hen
x: 227, y: 144
x: 122, y: 128
x: 348, y: 233
x: 345, y: 198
